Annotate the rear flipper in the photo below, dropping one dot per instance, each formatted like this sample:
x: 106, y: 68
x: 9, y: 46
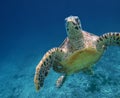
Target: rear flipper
x: 88, y: 71
x: 43, y: 67
x: 108, y: 39
x: 60, y: 81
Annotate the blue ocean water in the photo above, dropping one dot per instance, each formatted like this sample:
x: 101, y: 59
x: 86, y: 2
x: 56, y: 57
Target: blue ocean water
x: 29, y: 28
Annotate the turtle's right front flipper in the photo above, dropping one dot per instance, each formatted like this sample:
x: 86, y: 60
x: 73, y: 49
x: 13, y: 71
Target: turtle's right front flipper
x: 108, y: 39
x: 44, y: 65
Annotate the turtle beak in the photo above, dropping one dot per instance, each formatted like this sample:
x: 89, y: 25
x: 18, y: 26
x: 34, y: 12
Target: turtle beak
x: 72, y: 21
x: 71, y: 24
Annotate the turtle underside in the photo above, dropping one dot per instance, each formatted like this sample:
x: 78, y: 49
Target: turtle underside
x: 76, y: 60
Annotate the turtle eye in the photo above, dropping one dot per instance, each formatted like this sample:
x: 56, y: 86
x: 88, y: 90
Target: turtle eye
x: 77, y: 20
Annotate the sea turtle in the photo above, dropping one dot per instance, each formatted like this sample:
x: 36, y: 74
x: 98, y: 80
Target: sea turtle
x: 78, y: 52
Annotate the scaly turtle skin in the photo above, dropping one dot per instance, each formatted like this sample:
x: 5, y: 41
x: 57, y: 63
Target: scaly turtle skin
x: 79, y: 52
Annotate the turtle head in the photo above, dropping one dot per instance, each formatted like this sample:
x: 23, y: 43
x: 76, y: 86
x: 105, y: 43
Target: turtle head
x: 74, y: 31
x: 73, y: 23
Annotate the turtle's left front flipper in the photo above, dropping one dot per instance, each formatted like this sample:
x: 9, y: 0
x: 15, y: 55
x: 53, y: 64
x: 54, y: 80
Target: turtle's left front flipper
x: 108, y: 39
x: 44, y: 65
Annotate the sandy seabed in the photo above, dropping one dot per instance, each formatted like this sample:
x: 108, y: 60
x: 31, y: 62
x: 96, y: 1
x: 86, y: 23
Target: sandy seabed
x: 17, y: 73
